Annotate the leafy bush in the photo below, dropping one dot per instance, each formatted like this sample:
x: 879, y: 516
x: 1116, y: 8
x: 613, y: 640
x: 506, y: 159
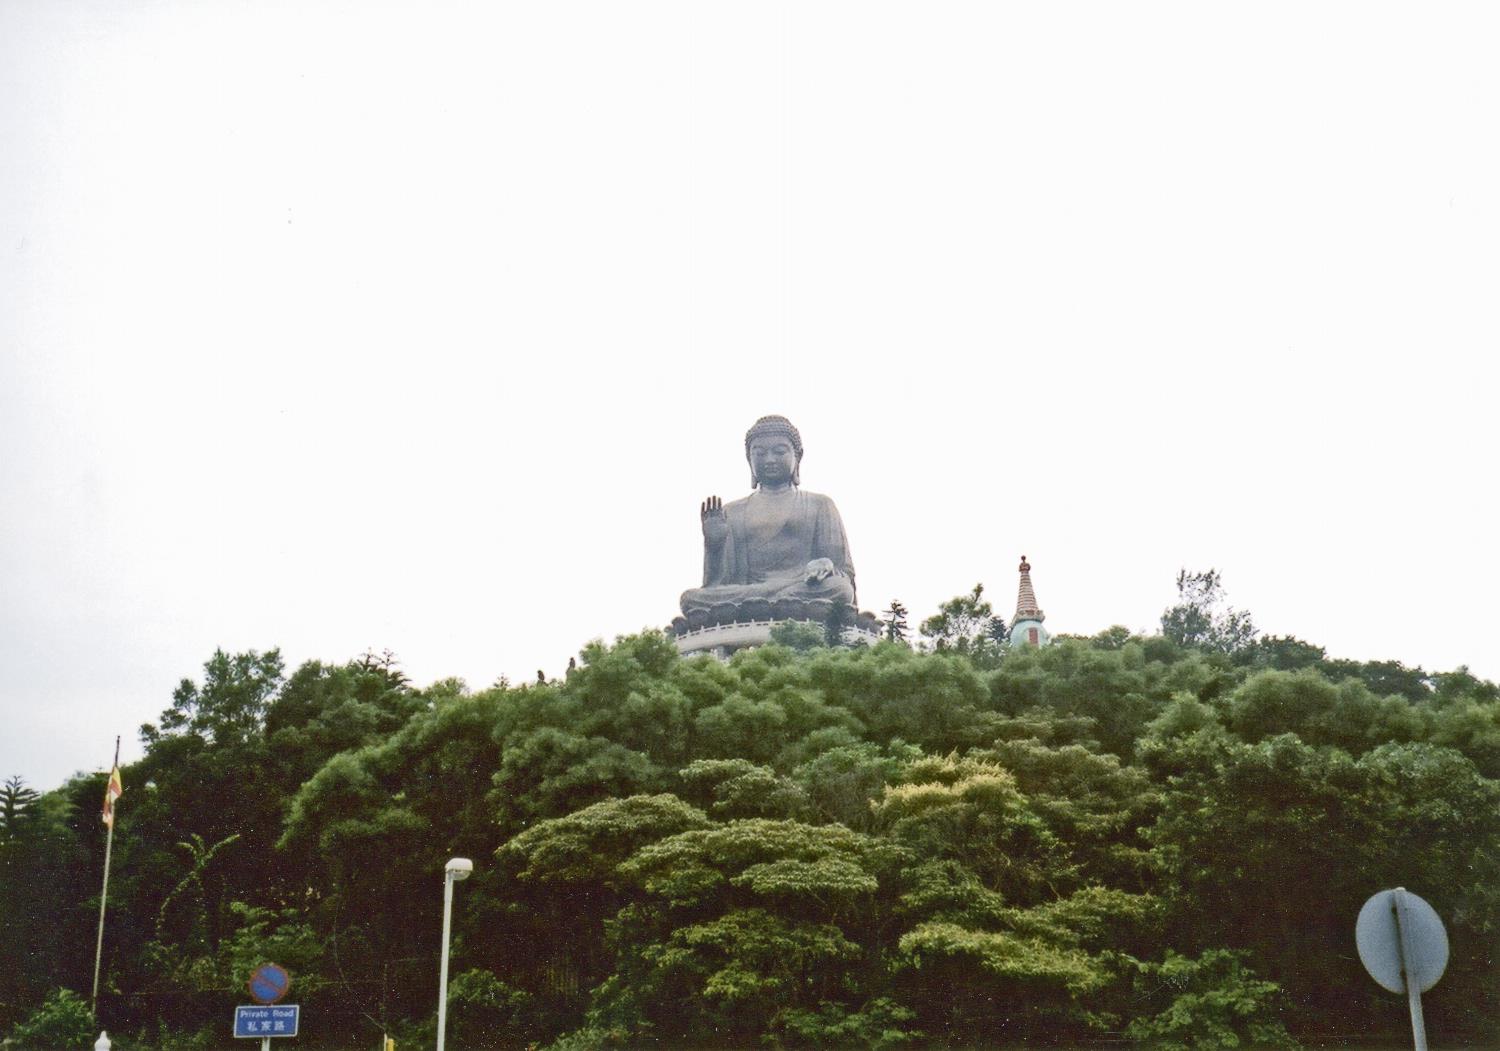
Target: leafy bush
x: 798, y: 635
x: 484, y: 1012
x: 62, y: 1021
x: 1216, y: 1002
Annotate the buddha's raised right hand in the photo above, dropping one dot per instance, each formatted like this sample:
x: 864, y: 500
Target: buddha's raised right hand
x: 715, y: 522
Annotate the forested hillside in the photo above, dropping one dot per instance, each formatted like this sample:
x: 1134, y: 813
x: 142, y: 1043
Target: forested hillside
x: 1160, y: 839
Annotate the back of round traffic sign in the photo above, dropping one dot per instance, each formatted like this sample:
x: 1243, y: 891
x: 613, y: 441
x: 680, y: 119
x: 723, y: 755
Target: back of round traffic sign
x: 1378, y: 938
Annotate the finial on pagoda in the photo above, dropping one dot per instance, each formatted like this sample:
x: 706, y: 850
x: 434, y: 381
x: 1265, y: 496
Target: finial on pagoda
x: 1026, y: 626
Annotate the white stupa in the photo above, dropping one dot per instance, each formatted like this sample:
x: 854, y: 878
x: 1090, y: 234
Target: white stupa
x: 1026, y: 626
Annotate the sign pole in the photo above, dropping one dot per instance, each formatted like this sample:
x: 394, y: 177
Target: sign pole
x: 109, y: 842
x: 1413, y: 989
x: 1402, y: 944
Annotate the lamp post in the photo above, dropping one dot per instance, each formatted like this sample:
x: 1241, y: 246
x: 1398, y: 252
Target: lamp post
x: 455, y: 870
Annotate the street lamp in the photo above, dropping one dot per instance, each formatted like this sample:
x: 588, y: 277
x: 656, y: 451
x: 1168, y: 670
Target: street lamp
x: 455, y: 870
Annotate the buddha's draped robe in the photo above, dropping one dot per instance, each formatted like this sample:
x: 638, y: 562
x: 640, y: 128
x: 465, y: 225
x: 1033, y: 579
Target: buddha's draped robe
x: 772, y: 537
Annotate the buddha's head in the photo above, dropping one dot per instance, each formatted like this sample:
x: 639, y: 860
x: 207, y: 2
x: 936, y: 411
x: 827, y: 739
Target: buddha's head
x: 774, y: 449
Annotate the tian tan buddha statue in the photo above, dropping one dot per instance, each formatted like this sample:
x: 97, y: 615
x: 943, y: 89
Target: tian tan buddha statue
x: 780, y: 552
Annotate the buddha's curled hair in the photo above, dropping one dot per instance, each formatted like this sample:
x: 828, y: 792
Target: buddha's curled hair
x: 774, y: 427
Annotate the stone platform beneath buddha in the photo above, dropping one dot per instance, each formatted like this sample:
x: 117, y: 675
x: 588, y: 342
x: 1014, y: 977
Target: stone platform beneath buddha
x: 724, y: 629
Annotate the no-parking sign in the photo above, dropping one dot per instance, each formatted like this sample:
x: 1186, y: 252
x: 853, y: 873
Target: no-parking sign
x: 269, y: 983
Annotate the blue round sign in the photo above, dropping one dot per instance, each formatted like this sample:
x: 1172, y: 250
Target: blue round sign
x: 269, y: 983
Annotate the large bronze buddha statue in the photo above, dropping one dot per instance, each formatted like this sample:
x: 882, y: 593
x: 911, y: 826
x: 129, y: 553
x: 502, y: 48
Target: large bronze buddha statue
x: 777, y: 550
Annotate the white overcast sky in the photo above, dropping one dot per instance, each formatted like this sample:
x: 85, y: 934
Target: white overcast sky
x: 426, y: 326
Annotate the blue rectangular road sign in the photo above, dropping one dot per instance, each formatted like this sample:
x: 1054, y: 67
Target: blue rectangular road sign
x: 273, y: 1020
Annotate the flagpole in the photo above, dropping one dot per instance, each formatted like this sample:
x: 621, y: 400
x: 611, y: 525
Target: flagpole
x: 109, y: 842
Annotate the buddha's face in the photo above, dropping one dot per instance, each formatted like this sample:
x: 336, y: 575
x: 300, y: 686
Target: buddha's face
x: 773, y: 460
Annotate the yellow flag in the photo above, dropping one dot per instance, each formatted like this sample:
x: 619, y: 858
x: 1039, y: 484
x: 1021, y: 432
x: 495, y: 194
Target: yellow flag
x: 112, y: 791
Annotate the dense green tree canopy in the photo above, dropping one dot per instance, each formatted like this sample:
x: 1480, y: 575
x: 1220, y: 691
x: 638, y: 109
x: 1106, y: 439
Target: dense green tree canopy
x: 1158, y: 839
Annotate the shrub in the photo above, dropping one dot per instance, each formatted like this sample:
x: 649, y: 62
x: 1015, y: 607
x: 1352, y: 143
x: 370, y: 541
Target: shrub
x: 62, y: 1021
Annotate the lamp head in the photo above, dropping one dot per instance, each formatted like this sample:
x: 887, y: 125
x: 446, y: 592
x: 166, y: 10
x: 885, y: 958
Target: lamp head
x: 458, y: 868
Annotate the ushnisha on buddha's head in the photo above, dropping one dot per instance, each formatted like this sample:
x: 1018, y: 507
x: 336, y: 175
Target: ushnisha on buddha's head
x: 774, y: 449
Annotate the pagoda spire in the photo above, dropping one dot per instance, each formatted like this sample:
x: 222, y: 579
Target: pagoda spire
x: 1026, y: 607
x: 1026, y: 626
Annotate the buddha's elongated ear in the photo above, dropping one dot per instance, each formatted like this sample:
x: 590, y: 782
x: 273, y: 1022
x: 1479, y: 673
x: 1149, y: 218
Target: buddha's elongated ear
x: 797, y: 473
